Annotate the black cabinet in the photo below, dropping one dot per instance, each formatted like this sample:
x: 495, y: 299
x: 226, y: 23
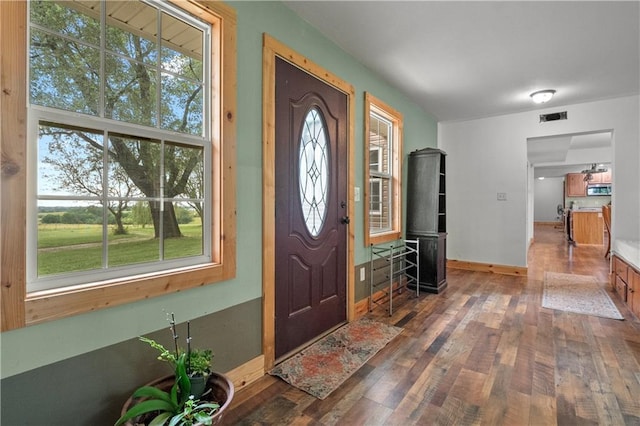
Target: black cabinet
x: 427, y: 215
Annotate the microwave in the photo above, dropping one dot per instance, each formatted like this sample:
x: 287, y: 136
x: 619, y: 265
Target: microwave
x: 598, y: 189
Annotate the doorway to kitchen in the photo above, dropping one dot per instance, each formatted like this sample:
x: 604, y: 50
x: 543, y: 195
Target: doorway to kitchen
x: 564, y: 170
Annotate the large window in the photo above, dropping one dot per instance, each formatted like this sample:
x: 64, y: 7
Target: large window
x: 383, y: 149
x: 126, y: 192
x: 125, y: 157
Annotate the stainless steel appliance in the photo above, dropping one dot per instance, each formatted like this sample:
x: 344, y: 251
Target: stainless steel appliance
x: 595, y: 189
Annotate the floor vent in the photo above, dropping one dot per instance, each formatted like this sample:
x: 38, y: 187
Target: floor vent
x: 553, y: 116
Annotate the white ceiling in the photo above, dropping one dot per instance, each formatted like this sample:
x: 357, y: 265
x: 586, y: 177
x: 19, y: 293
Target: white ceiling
x: 462, y: 60
x: 555, y: 156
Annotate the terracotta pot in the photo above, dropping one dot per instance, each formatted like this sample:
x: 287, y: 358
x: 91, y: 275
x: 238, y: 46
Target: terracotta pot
x: 222, y: 391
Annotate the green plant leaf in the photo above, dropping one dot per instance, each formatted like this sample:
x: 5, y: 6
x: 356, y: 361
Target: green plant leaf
x: 145, y: 407
x: 203, y: 418
x: 154, y: 393
x: 160, y: 419
x: 182, y: 379
x: 211, y: 405
x: 174, y: 393
x: 176, y: 420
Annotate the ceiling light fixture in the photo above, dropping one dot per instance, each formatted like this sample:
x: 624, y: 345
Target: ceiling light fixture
x: 542, y: 96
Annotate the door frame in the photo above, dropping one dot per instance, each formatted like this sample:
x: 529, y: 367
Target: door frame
x: 270, y: 49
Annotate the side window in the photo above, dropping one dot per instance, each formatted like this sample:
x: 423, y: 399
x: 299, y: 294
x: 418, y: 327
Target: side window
x: 383, y: 150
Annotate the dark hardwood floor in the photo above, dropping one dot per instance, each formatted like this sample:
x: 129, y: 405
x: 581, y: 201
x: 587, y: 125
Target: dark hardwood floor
x: 482, y: 352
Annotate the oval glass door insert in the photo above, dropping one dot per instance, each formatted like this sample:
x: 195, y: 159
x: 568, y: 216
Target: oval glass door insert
x: 314, y: 171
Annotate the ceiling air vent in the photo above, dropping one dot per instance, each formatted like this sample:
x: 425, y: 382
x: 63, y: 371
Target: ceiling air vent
x: 553, y: 116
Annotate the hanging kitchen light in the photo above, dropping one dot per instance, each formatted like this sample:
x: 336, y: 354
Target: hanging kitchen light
x: 589, y: 172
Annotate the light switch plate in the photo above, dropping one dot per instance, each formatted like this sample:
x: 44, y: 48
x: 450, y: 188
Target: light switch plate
x: 356, y: 194
x: 502, y: 196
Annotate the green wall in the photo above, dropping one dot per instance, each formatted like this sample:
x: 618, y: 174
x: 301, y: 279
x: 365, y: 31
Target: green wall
x: 90, y: 388
x: 40, y: 345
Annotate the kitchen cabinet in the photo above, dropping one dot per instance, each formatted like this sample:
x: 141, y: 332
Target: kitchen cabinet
x: 575, y: 185
x: 621, y: 271
x: 604, y: 177
x: 626, y: 283
x: 633, y: 291
x: 587, y: 227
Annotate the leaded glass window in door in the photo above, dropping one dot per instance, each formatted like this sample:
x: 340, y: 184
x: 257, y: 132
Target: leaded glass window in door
x: 314, y: 171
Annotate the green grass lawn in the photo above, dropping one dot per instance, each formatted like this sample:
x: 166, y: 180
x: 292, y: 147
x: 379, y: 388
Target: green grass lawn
x: 72, y: 248
x: 61, y: 235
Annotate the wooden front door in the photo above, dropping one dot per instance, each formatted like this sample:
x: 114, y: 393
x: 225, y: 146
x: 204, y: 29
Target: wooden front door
x: 310, y: 208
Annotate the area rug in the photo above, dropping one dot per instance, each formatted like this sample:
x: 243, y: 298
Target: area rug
x: 325, y: 365
x: 579, y: 294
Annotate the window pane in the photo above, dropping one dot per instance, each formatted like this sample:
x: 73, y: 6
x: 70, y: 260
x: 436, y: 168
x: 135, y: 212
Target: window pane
x: 380, y: 205
x: 191, y: 241
x: 184, y: 172
x: 182, y: 47
x: 130, y: 91
x: 134, y: 172
x: 69, y: 236
x: 62, y: 18
x: 139, y: 160
x: 380, y: 131
x: 123, y: 19
x: 69, y: 161
x: 138, y: 243
x: 64, y: 74
x: 374, y: 159
x: 182, y: 105
x: 375, y: 197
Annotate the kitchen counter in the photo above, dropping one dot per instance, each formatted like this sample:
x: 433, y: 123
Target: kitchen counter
x: 628, y: 250
x: 587, y: 209
x: 587, y: 226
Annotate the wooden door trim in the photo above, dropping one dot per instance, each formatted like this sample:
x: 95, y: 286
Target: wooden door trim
x: 270, y: 49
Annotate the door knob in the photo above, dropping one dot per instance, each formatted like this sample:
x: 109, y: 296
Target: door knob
x: 345, y: 220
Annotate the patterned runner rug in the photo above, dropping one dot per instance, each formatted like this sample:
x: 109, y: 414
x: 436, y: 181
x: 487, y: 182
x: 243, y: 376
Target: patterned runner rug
x: 325, y: 365
x: 580, y: 294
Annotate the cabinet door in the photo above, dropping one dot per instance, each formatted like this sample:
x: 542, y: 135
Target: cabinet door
x: 620, y: 268
x: 633, y: 292
x: 601, y: 177
x: 621, y: 289
x: 575, y: 185
x: 605, y: 177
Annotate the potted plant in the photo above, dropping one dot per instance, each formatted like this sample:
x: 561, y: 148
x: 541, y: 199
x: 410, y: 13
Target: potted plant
x: 192, y: 396
x: 197, y: 363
